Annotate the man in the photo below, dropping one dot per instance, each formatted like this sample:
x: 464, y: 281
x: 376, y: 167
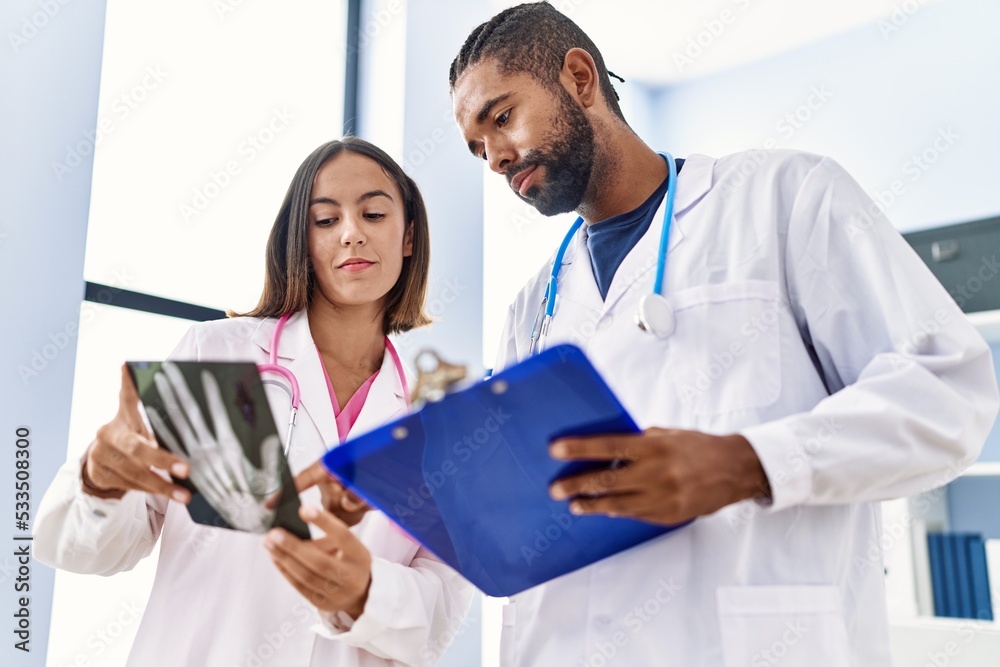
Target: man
x: 815, y: 368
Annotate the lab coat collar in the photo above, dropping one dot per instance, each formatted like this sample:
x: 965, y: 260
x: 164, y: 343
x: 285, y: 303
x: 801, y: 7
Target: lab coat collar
x: 294, y: 335
x: 577, y: 282
x: 385, y: 401
x: 692, y: 184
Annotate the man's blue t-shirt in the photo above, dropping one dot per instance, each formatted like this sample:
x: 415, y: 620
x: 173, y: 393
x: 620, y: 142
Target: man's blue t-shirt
x: 609, y: 241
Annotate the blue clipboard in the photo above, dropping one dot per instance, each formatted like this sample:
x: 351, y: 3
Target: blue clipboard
x: 468, y: 476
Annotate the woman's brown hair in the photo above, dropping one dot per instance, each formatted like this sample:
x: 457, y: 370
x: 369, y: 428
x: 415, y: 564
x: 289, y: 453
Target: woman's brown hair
x: 288, y: 280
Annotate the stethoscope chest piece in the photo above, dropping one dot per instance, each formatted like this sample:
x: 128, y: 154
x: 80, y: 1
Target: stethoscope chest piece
x: 655, y: 315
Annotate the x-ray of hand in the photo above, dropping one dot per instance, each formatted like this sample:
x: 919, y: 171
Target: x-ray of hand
x: 231, y: 484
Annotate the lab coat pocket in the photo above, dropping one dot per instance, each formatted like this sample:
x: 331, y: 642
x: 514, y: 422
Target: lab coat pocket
x: 787, y: 625
x: 508, y: 655
x: 730, y: 334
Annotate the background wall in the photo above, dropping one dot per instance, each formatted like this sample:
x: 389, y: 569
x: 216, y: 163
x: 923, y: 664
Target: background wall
x: 50, y: 63
x: 912, y: 100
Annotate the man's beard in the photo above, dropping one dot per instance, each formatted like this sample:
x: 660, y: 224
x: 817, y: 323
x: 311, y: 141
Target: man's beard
x: 568, y: 159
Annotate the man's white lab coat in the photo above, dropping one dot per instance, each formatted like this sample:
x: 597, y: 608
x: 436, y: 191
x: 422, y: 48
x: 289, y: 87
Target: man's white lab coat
x: 805, y: 323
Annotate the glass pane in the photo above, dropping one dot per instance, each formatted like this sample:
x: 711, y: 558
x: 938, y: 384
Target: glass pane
x: 206, y: 109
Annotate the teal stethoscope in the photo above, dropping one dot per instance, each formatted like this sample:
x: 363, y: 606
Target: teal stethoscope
x: 654, y: 315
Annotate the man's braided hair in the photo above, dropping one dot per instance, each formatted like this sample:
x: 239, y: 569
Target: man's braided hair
x: 532, y: 38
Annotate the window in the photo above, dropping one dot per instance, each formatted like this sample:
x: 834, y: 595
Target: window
x: 205, y: 111
x: 98, y: 616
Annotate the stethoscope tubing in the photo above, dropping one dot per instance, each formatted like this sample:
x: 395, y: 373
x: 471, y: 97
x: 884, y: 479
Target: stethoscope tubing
x: 295, y: 395
x: 539, y: 328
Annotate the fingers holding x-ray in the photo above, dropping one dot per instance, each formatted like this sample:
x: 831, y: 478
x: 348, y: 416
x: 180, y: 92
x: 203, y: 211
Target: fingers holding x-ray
x: 232, y: 485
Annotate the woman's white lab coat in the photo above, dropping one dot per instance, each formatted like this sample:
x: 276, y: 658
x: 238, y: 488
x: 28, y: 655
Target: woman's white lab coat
x: 217, y: 598
x: 806, y: 323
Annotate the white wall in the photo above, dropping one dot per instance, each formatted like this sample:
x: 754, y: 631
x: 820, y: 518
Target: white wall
x: 882, y: 96
x: 50, y: 64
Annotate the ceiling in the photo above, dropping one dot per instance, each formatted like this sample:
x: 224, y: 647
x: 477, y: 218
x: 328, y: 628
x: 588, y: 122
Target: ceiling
x: 663, y: 42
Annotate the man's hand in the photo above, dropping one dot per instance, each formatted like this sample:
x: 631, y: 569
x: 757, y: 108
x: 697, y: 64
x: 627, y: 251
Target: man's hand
x: 663, y: 476
x: 332, y: 572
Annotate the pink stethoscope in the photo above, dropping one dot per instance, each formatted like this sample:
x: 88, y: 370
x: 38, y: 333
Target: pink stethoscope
x: 274, y: 367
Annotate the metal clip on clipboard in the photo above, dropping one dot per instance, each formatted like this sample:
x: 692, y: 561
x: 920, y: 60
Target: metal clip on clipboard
x: 435, y: 378
x: 468, y: 475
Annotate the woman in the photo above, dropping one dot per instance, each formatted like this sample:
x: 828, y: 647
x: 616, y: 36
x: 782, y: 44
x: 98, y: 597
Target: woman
x: 347, y: 263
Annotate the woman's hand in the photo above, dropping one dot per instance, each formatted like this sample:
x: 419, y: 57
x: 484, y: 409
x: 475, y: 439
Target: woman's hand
x: 337, y: 500
x: 333, y: 572
x: 124, y: 453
